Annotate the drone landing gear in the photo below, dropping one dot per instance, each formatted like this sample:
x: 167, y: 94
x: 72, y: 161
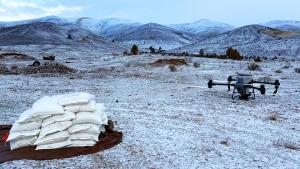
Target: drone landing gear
x: 236, y: 94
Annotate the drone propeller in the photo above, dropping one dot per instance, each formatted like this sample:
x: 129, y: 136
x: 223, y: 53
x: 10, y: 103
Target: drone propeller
x: 277, y: 84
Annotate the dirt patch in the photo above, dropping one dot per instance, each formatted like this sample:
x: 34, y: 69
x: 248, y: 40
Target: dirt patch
x: 288, y: 145
x: 4, y: 69
x: 49, y: 68
x: 106, y: 141
x: 279, y: 33
x: 53, y: 68
x: 163, y: 62
x: 15, y: 57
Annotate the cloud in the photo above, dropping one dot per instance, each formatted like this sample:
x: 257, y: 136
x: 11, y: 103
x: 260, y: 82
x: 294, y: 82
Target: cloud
x: 11, y: 10
x: 60, y: 9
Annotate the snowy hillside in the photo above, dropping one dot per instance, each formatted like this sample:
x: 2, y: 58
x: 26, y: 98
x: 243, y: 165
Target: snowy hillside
x: 252, y: 40
x: 156, y: 35
x: 203, y: 28
x: 46, y: 33
x: 284, y: 25
x: 110, y: 28
x: 52, y: 19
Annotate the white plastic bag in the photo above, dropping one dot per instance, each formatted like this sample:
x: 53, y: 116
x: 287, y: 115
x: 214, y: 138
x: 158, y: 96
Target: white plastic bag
x: 54, y: 145
x: 84, y: 136
x: 90, y: 107
x: 53, y: 138
x: 25, y: 126
x: 74, y: 98
x: 82, y: 143
x: 83, y: 126
x: 87, y: 117
x: 22, y: 134
x: 53, y: 128
x: 46, y: 106
x: 27, y: 117
x: 67, y: 116
x: 101, y: 112
x: 24, y: 142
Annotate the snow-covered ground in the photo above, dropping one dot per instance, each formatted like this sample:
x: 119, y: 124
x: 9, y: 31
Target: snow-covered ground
x: 171, y: 119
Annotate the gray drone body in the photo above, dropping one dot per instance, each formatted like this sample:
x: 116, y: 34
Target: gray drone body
x: 244, y: 86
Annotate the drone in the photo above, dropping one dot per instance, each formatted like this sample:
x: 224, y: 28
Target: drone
x: 244, y: 86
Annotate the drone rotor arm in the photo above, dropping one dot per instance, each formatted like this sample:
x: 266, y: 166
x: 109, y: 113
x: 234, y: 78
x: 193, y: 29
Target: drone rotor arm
x: 262, y: 89
x: 276, y: 84
x: 212, y: 83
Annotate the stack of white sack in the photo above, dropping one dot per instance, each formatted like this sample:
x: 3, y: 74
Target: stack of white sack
x: 71, y: 120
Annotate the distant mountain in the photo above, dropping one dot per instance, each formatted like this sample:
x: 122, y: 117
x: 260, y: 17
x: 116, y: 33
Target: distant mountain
x: 52, y: 19
x: 111, y: 28
x: 203, y: 28
x: 252, y: 40
x: 293, y: 26
x: 46, y: 33
x: 156, y: 35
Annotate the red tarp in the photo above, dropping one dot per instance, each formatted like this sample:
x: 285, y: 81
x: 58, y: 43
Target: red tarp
x: 106, y: 141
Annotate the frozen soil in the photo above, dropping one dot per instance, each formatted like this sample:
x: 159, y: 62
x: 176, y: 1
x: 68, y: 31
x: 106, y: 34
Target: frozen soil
x: 171, y: 119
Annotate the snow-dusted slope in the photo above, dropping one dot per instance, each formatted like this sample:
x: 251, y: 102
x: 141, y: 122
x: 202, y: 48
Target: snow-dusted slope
x: 290, y: 25
x: 252, y: 40
x: 52, y: 19
x: 44, y: 33
x: 110, y: 28
x: 156, y: 35
x: 203, y: 28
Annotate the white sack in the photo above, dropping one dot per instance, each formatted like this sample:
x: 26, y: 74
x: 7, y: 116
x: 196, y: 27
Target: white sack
x: 24, y: 142
x: 41, y: 109
x: 84, y: 136
x: 82, y: 143
x: 27, y: 117
x: 22, y: 134
x: 83, y: 126
x: 93, y: 130
x: 54, y: 146
x: 87, y: 117
x: 102, y: 129
x: 53, y: 138
x: 46, y: 106
x: 53, y: 128
x: 25, y: 126
x: 90, y: 107
x: 101, y: 112
x: 74, y: 98
x: 67, y: 116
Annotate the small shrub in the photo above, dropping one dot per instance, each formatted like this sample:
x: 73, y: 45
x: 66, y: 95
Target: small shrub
x: 172, y: 68
x: 233, y: 54
x: 135, y: 50
x: 257, y: 59
x: 196, y: 65
x: 225, y: 142
x: 297, y: 70
x: 287, y: 144
x: 49, y: 57
x: 253, y: 66
x: 126, y: 52
x: 14, y: 67
x: 273, y: 117
x: 279, y: 71
x: 152, y: 49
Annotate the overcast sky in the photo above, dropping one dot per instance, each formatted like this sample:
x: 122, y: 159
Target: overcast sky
x: 235, y: 12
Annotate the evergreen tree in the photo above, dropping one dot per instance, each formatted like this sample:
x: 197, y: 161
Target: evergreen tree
x: 152, y: 50
x: 233, y: 54
x: 135, y: 50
